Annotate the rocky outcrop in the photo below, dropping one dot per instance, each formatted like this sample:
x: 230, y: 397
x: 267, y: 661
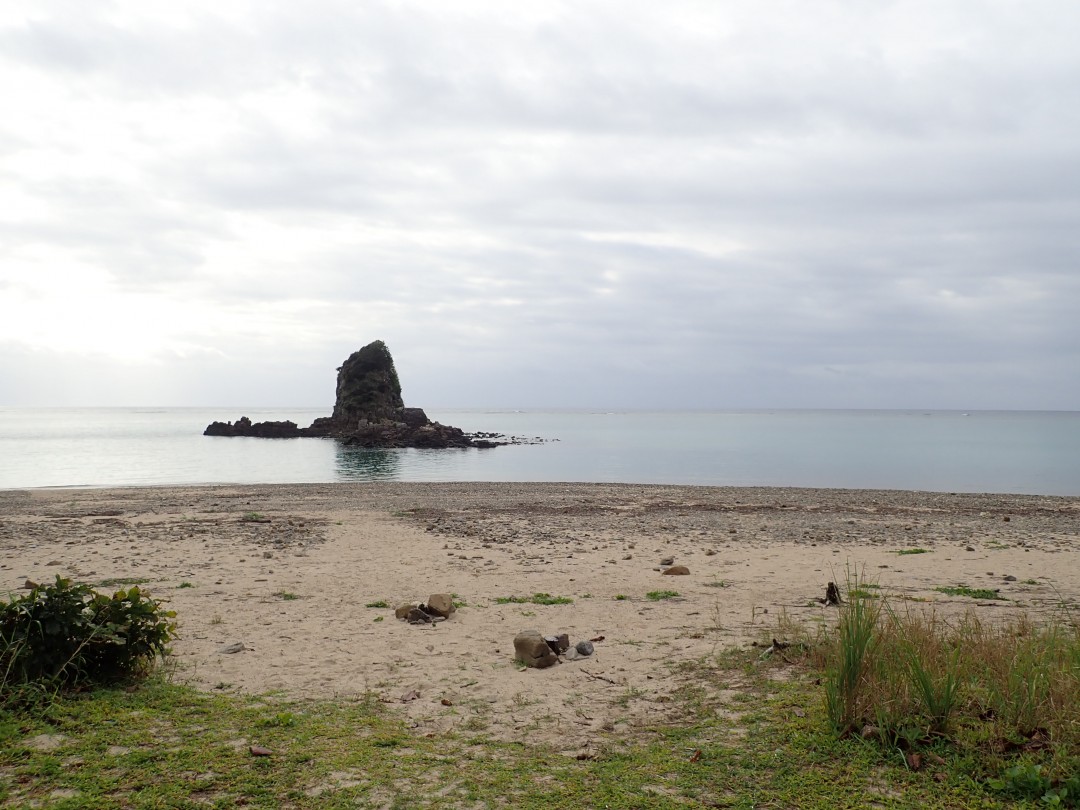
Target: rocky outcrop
x: 263, y: 430
x: 368, y: 412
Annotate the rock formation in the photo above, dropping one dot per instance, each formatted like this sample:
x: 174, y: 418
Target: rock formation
x: 368, y: 412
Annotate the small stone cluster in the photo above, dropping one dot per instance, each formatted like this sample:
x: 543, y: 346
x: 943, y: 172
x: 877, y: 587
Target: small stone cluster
x: 668, y: 567
x: 539, y: 652
x: 438, y: 608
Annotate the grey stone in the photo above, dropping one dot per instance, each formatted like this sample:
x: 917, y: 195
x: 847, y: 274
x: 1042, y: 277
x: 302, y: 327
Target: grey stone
x: 531, y: 649
x: 418, y: 616
x: 584, y: 648
x: 235, y: 647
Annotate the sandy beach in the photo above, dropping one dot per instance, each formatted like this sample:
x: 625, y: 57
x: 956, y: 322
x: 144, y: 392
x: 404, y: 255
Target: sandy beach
x: 289, y: 572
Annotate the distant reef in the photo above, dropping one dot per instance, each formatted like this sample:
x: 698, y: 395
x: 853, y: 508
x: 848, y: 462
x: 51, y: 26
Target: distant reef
x: 368, y: 412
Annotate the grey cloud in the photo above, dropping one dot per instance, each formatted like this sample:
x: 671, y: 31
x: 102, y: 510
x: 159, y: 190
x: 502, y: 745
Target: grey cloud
x: 827, y: 207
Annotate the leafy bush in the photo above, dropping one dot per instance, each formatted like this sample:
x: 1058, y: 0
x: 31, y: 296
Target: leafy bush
x: 65, y: 634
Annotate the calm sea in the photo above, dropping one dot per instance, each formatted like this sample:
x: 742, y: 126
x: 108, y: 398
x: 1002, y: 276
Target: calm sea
x: 945, y: 451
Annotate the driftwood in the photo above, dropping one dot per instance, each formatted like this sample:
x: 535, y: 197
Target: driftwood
x: 832, y: 595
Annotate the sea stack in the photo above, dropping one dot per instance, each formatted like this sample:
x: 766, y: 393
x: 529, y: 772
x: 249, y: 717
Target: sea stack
x: 368, y: 412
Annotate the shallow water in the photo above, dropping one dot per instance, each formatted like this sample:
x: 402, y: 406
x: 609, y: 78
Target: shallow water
x: 945, y: 451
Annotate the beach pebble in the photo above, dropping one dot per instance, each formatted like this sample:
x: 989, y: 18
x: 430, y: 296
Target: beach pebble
x: 584, y: 648
x: 667, y: 561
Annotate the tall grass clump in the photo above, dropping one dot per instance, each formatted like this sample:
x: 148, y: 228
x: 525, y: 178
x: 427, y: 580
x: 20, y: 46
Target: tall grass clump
x: 931, y: 659
x: 848, y: 681
x: 1007, y: 692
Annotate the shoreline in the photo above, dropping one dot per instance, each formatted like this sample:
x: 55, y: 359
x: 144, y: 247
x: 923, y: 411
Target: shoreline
x: 294, y: 583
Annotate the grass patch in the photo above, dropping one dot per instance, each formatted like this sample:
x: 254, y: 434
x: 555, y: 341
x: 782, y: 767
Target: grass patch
x: 115, y: 582
x: 621, y: 597
x: 964, y: 590
x: 863, y: 593
x: 904, y: 551
x: 985, y: 702
x: 716, y: 584
x: 358, y: 753
x: 378, y: 603
x: 286, y: 596
x: 657, y: 596
x: 254, y: 517
x: 535, y: 599
x: 185, y: 584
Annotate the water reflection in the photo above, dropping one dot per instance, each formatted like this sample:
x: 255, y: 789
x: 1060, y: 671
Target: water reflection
x: 366, y: 464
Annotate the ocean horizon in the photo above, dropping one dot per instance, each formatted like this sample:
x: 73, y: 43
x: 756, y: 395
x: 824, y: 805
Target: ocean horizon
x: 1019, y: 452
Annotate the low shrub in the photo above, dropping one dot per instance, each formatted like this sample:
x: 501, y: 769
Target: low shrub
x: 67, y: 634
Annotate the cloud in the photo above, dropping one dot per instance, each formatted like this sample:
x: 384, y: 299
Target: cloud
x: 572, y: 204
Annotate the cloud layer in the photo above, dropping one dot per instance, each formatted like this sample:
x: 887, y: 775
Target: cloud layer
x: 703, y: 205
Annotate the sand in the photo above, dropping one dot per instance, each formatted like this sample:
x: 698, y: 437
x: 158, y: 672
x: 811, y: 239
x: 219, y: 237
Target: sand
x: 292, y: 582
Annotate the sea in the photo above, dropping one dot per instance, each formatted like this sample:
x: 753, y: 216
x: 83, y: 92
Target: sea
x: 1022, y: 452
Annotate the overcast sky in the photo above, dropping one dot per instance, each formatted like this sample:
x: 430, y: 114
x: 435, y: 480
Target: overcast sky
x: 583, y: 204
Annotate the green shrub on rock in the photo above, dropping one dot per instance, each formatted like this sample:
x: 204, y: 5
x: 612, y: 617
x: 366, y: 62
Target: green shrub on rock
x: 66, y: 634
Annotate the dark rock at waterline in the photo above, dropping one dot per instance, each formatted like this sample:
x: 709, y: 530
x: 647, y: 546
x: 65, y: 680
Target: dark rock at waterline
x: 263, y: 430
x: 368, y: 412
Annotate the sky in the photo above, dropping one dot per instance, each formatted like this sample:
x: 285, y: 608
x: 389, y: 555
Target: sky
x: 678, y: 205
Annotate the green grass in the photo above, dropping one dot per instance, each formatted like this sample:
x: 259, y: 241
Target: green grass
x: 378, y: 603
x: 120, y: 581
x: 535, y: 599
x: 656, y: 596
x: 999, y: 703
x: 185, y: 585
x: 864, y: 592
x: 254, y: 517
x: 621, y: 597
x: 164, y: 745
x: 974, y: 593
x: 286, y: 596
x: 913, y: 551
